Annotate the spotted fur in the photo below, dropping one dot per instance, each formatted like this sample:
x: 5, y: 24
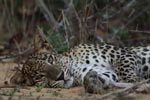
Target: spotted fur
x: 35, y: 72
x: 100, y: 66
x: 126, y: 64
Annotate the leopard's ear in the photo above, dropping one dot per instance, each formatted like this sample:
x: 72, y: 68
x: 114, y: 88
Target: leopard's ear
x: 41, y: 44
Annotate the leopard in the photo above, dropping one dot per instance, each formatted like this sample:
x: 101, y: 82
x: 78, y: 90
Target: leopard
x: 99, y: 66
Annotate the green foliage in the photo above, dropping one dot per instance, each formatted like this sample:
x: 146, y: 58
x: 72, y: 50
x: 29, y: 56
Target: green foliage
x: 22, y: 16
x: 80, y: 4
x: 142, y: 6
x: 1, y: 98
x: 55, y: 4
x: 31, y: 93
x: 57, y: 41
x: 119, y: 31
x: 8, y: 92
x: 81, y: 93
x: 54, y: 93
x: 123, y: 96
x: 39, y: 86
x: 76, y: 98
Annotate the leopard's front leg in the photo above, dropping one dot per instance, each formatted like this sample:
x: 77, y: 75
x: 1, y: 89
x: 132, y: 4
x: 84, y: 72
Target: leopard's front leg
x: 64, y: 80
x: 92, y: 83
x: 97, y: 81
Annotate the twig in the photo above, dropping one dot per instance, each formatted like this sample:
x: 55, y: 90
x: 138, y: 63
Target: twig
x: 140, y: 31
x: 66, y: 23
x: 129, y: 5
x: 12, y: 58
x: 122, y: 90
x: 124, y: 9
x: 49, y: 15
x: 136, y: 16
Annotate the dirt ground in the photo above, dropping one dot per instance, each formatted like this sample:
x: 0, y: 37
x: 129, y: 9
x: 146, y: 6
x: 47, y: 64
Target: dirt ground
x: 34, y: 93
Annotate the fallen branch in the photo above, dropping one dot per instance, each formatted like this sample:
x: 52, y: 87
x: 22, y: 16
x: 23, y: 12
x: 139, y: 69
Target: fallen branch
x: 15, y: 58
x: 139, y: 31
x: 114, y: 93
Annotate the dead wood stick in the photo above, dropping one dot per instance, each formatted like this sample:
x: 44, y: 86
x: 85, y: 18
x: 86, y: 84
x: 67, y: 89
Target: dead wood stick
x: 122, y: 90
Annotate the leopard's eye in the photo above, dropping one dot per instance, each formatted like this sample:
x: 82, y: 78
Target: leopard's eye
x: 50, y: 59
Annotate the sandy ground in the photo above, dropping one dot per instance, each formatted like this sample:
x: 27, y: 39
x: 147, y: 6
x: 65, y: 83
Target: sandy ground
x: 33, y: 93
